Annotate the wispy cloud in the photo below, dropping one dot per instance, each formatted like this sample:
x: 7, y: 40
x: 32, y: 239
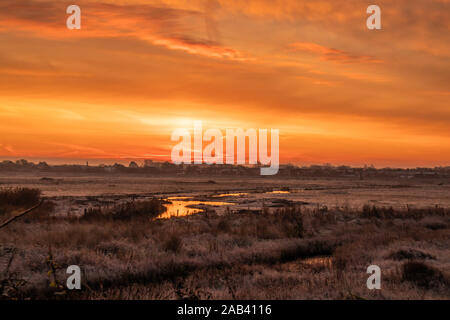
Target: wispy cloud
x: 175, y: 29
x: 204, y: 48
x: 331, y: 54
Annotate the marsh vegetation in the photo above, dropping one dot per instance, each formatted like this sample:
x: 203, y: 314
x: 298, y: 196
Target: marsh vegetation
x: 288, y: 252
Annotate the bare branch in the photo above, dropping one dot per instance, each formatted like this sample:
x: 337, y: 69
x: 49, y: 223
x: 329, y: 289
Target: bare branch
x: 4, y: 224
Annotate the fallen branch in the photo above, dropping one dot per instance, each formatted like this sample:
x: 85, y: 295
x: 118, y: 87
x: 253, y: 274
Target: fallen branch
x: 4, y: 224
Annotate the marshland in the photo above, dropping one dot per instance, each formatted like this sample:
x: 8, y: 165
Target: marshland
x: 228, y: 238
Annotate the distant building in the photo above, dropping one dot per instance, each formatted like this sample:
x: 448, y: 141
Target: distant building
x: 133, y: 165
x: 148, y: 163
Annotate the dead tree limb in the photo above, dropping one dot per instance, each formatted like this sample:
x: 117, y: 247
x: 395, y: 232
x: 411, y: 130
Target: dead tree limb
x: 4, y: 224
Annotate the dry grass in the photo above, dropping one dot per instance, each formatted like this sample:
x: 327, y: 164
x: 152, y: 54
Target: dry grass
x: 173, y: 244
x: 284, y: 253
x: 13, y: 199
x: 423, y: 275
x: 124, y: 211
x: 19, y: 197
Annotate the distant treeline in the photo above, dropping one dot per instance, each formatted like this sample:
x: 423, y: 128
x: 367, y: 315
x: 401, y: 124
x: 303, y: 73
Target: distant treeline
x: 167, y: 168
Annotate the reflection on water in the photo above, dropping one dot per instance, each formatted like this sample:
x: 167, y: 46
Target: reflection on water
x: 315, y: 263
x: 230, y: 195
x: 278, y: 191
x: 319, y: 262
x: 179, y: 208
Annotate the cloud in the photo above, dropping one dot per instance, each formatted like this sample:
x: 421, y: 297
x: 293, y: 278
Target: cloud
x: 205, y: 48
x: 331, y: 54
x: 134, y: 56
x: 175, y: 29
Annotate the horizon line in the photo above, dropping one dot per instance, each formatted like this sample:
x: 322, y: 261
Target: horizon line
x: 96, y: 162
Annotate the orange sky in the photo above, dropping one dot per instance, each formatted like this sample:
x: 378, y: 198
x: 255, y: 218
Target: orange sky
x: 138, y: 69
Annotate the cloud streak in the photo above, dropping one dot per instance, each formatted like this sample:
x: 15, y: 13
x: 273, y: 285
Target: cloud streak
x: 175, y: 29
x: 331, y: 54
